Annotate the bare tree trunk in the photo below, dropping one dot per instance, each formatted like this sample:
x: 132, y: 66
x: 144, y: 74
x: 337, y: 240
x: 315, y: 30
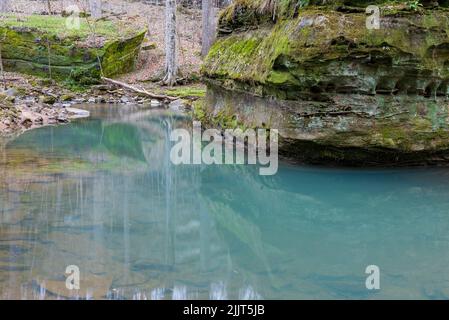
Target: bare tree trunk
x: 4, y: 5
x: 209, y: 26
x: 95, y: 8
x: 49, y: 7
x: 2, y: 73
x: 49, y: 58
x: 171, y: 63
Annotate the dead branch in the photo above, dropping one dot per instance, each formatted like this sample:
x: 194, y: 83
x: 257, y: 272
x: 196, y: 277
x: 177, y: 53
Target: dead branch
x: 139, y: 91
x: 45, y: 92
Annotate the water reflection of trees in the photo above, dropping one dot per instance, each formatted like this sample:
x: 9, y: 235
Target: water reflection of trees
x: 102, y: 194
x: 131, y: 221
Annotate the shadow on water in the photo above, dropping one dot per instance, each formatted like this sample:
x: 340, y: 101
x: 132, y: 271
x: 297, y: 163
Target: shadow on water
x: 101, y: 194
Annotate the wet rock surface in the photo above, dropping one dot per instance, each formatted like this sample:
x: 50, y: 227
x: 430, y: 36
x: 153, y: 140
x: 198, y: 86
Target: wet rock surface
x: 28, y: 102
x: 411, y: 132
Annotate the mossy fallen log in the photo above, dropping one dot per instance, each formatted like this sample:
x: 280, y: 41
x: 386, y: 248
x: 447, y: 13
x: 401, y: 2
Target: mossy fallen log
x: 45, y: 46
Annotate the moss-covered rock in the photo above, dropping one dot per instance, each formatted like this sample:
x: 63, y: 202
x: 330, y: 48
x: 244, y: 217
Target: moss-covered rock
x: 328, y: 51
x: 43, y: 46
x: 343, y: 92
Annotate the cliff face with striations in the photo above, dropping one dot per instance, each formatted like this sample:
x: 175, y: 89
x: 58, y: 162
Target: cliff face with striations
x: 342, y: 92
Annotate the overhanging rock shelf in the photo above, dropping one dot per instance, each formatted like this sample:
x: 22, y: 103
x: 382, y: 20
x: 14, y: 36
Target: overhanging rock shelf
x: 338, y: 92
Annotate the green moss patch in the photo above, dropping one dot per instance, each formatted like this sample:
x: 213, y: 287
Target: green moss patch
x: 187, y: 92
x: 323, y: 50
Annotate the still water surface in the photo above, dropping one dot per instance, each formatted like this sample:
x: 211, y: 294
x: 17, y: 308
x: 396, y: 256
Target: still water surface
x: 101, y: 194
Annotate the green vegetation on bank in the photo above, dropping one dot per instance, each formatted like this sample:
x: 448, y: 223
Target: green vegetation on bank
x: 187, y: 92
x: 246, y: 13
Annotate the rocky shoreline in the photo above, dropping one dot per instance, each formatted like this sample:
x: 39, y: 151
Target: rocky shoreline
x: 30, y: 102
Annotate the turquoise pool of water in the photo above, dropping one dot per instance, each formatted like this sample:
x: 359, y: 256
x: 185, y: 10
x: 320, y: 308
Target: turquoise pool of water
x: 101, y: 194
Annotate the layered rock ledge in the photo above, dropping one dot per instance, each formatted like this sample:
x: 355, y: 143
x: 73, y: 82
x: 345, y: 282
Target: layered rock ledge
x: 54, y: 46
x: 337, y: 91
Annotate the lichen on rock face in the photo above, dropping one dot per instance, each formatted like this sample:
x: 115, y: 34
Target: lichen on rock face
x: 43, y: 45
x: 354, y: 94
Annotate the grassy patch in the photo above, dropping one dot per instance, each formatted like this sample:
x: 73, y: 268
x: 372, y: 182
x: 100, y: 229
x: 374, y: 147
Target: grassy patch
x: 56, y: 25
x: 187, y: 92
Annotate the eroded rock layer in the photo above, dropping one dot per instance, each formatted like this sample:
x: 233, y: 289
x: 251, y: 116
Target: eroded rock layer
x: 46, y: 46
x: 343, y: 92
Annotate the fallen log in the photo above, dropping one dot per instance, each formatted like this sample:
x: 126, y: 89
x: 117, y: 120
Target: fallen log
x: 139, y: 91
